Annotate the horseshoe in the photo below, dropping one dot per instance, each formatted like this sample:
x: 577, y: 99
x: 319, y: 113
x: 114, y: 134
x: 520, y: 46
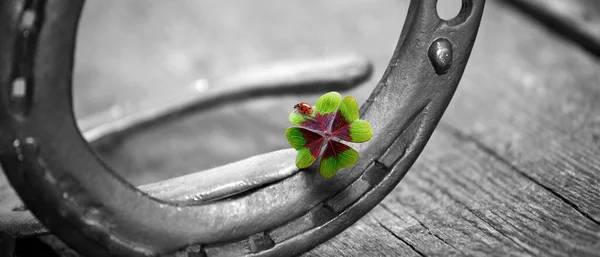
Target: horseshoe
x: 96, y: 212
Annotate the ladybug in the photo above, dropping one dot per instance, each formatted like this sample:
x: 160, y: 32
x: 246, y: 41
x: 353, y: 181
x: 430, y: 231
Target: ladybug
x: 304, y: 108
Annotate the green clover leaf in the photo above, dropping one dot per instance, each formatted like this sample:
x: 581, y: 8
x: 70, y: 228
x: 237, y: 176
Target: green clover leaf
x: 320, y: 134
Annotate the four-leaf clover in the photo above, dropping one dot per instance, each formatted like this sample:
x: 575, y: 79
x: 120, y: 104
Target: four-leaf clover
x: 320, y: 134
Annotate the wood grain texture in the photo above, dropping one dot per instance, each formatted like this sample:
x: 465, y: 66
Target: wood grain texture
x: 513, y: 169
x: 537, y: 108
x: 367, y: 238
x: 487, y: 206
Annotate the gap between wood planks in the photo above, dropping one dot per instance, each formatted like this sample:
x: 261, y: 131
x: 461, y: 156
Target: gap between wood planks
x: 513, y: 168
x: 435, y: 212
x: 464, y: 137
x: 432, y: 233
x: 401, y: 239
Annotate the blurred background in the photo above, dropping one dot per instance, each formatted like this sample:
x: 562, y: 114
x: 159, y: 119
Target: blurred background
x: 512, y: 168
x: 130, y: 52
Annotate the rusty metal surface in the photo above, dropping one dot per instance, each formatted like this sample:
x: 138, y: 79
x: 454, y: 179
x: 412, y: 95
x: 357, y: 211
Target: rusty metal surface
x: 52, y: 168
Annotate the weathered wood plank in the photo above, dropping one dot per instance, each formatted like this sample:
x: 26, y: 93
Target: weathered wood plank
x: 534, y: 104
x: 397, y: 219
x: 459, y: 200
x: 513, y: 168
x: 367, y: 238
x: 512, y: 171
x: 465, y: 177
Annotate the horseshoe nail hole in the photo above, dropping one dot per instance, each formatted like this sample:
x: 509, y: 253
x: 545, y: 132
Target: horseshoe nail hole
x: 19, y: 88
x: 20, y: 97
x: 448, y: 9
x: 27, y: 19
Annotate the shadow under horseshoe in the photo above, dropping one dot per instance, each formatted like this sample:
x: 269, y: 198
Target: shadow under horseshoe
x: 97, y: 213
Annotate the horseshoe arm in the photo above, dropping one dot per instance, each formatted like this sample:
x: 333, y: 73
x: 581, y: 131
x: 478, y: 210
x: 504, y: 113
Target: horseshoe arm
x: 96, y: 212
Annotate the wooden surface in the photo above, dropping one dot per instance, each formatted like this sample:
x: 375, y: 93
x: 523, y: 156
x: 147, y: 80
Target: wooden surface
x: 576, y: 20
x: 512, y: 170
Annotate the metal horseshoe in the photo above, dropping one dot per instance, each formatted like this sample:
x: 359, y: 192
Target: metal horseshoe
x: 83, y: 202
